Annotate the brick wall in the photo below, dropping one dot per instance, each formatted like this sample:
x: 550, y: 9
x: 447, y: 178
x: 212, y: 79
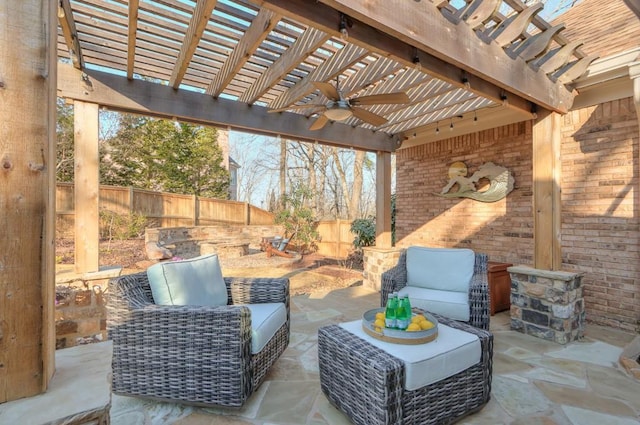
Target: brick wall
x: 600, y: 198
x: 600, y: 224
x: 502, y: 229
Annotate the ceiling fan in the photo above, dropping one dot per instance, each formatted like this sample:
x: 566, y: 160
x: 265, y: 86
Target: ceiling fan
x: 339, y: 108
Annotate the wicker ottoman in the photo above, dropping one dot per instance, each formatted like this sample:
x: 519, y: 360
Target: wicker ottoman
x: 368, y: 384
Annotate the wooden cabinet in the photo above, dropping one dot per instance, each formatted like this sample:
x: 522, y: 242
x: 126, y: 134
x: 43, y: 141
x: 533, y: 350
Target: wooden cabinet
x: 499, y: 286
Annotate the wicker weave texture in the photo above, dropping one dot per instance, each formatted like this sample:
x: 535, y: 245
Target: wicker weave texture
x: 395, y: 279
x: 366, y: 383
x: 190, y: 354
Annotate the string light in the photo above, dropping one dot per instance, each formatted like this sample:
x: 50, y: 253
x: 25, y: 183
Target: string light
x: 344, y: 32
x: 451, y: 125
x: 438, y: 127
x: 475, y: 118
x: 465, y: 81
x: 416, y: 59
x: 503, y: 97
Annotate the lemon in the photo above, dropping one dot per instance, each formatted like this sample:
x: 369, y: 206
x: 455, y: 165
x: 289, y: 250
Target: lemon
x: 425, y: 325
x: 379, y: 323
x: 380, y: 315
x: 418, y: 318
x: 378, y: 329
x: 413, y: 327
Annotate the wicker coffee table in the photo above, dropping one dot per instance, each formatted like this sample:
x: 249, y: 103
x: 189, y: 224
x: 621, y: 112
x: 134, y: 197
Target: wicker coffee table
x: 368, y: 384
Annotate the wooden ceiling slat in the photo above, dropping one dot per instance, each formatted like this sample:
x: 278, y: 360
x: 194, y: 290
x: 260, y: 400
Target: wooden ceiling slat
x: 326, y: 71
x: 308, y: 42
x: 199, y: 21
x: 133, y: 29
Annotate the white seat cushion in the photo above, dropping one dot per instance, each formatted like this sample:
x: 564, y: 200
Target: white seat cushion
x: 440, y: 268
x: 266, y: 319
x: 454, y: 305
x: 196, y: 281
x: 451, y: 352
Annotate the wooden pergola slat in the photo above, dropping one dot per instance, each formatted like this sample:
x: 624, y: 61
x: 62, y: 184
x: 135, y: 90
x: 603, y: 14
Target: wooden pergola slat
x: 199, y: 21
x: 307, y: 43
x: 260, y: 27
x: 327, y: 70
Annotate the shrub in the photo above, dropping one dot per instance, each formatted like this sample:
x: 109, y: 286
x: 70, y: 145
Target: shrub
x: 121, y: 226
x: 365, y: 231
x: 298, y: 220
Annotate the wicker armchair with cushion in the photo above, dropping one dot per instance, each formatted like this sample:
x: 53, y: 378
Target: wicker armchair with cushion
x: 182, y: 333
x: 449, y: 282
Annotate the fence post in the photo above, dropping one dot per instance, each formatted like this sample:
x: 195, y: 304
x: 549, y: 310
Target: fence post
x: 131, y: 194
x: 247, y: 214
x: 338, y: 235
x: 196, y: 209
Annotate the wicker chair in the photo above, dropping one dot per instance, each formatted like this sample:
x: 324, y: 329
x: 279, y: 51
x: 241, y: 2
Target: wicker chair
x: 395, y: 279
x: 189, y: 354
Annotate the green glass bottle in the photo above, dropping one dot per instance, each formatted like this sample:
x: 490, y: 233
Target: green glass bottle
x: 403, y: 315
x: 391, y: 311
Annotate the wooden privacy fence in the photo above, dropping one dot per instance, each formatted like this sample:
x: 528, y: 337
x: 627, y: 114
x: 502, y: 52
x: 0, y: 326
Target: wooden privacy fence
x: 164, y: 209
x: 336, y: 239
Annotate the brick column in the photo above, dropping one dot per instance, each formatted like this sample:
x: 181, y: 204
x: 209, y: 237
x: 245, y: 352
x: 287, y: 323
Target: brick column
x: 377, y: 261
x: 547, y: 304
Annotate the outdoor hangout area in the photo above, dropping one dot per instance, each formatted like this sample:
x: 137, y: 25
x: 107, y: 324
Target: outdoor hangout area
x: 498, y: 283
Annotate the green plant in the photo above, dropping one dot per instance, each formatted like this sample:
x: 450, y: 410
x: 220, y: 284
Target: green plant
x: 365, y: 231
x: 298, y: 219
x: 121, y: 226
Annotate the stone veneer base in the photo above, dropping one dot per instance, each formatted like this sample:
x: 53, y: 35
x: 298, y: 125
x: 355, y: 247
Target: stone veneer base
x: 377, y: 261
x: 547, y: 304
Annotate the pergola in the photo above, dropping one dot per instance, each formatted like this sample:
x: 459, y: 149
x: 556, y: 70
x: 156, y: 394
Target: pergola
x: 468, y: 65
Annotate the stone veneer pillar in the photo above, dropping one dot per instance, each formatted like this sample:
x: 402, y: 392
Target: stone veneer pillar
x: 547, y: 304
x: 377, y: 261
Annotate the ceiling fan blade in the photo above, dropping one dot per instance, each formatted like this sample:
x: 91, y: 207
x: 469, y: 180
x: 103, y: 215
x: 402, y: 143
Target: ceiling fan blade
x: 327, y: 90
x: 374, y: 99
x: 373, y: 119
x: 294, y: 107
x: 319, y: 123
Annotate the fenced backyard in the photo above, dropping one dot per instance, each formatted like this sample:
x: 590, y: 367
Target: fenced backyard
x: 163, y: 209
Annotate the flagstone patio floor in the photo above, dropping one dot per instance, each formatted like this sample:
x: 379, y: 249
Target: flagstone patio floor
x: 534, y: 381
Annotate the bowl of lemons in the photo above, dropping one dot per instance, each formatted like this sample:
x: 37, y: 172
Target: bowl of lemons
x: 422, y: 328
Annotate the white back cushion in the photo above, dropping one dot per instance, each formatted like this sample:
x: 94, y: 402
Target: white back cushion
x: 197, y: 281
x: 447, y: 269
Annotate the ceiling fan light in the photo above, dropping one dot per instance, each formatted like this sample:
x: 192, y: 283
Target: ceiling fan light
x: 338, y: 114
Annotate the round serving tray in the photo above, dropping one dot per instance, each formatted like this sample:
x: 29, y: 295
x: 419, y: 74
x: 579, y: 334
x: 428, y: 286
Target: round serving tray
x: 397, y: 336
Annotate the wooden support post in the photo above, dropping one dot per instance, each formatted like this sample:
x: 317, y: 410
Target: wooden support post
x: 546, y: 192
x: 247, y: 213
x: 87, y: 184
x: 383, y: 200
x: 28, y: 37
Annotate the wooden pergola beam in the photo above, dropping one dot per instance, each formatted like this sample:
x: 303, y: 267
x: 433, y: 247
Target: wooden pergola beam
x: 148, y: 98
x: 68, y: 26
x: 131, y: 41
x: 259, y: 29
x: 197, y: 25
x: 400, y: 35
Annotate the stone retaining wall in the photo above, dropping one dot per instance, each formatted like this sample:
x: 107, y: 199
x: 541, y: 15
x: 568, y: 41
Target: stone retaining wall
x: 187, y: 242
